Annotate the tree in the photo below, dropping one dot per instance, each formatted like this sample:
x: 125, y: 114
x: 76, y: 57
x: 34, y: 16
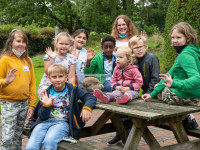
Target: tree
x: 42, y: 12
x: 178, y: 11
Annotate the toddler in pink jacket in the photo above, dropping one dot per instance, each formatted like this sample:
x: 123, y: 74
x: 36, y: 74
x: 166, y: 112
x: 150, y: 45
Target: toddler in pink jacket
x: 126, y: 80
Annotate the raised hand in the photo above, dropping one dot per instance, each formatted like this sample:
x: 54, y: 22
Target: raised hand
x: 168, y: 79
x: 11, y: 76
x: 72, y: 51
x: 50, y: 53
x: 144, y: 36
x: 90, y: 54
x: 45, y: 99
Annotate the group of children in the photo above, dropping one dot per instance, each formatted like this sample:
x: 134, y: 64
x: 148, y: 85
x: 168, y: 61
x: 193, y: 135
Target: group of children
x: 127, y: 69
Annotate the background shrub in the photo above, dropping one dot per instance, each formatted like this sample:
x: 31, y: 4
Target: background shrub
x: 180, y: 11
x: 39, y: 38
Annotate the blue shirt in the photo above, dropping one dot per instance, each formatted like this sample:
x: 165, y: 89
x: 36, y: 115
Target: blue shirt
x: 60, y: 104
x: 108, y: 67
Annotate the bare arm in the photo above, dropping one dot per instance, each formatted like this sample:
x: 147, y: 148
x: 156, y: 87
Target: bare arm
x: 71, y: 75
x: 52, y: 56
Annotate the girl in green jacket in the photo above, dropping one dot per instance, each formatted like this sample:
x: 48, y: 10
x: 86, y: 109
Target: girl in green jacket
x: 181, y: 85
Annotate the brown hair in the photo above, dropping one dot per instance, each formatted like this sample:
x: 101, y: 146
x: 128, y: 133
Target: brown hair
x: 187, y: 30
x: 79, y: 31
x: 131, y: 27
x: 57, y: 68
x: 7, y: 51
x: 128, y: 52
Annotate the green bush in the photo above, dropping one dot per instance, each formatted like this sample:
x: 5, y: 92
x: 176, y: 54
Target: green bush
x: 151, y: 29
x: 155, y: 41
x: 39, y: 38
x: 179, y: 11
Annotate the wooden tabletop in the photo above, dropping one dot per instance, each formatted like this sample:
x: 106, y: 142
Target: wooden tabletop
x: 152, y: 109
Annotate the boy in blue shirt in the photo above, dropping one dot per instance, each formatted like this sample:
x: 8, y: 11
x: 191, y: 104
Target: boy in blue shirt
x: 58, y: 111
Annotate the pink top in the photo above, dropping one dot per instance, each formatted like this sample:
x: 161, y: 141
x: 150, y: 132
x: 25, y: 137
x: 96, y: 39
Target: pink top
x: 128, y: 77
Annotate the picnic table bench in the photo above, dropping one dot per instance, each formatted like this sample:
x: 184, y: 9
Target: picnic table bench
x: 141, y: 115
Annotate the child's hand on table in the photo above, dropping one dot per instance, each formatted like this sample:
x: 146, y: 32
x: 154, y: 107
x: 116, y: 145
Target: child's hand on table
x: 86, y: 115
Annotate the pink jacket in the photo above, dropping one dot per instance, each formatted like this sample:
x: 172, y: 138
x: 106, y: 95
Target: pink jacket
x: 129, y: 77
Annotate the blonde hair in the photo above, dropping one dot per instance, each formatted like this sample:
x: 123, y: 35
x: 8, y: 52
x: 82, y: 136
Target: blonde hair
x: 187, y: 30
x: 7, y: 51
x: 62, y: 34
x: 59, y: 68
x: 135, y: 40
x: 131, y: 27
x: 128, y: 52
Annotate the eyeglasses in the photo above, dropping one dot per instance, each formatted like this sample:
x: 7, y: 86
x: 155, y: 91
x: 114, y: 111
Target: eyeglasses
x: 138, y: 48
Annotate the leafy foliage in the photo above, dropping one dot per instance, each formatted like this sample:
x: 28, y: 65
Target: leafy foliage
x: 93, y: 15
x: 178, y: 11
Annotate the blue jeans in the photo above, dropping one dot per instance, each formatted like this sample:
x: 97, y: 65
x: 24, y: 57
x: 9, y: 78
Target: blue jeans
x: 107, y: 86
x: 48, y: 134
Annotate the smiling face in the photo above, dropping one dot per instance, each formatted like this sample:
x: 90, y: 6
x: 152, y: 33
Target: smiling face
x: 58, y: 80
x: 122, y: 26
x: 139, y: 49
x: 108, y: 48
x: 80, y: 40
x: 177, y: 38
x: 63, y: 45
x: 18, y: 43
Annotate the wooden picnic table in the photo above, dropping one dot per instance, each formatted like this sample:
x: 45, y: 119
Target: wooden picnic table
x: 141, y: 115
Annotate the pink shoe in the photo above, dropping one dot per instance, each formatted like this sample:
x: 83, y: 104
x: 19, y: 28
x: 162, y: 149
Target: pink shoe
x: 123, y: 99
x: 101, y: 96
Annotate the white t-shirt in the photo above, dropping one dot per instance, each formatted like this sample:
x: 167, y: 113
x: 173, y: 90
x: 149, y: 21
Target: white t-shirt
x: 118, y: 43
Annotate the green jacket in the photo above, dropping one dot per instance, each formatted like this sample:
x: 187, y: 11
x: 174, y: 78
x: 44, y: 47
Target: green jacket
x: 97, y: 66
x: 185, y: 74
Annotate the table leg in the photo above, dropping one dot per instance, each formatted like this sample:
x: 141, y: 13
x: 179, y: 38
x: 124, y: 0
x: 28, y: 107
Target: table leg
x: 119, y: 126
x: 100, y: 122
x: 134, y: 138
x: 150, y: 139
x: 179, y: 131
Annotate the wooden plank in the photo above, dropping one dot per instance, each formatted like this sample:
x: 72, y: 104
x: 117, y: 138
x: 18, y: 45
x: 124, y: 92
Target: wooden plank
x: 179, y: 132
x: 77, y: 146
x: 100, y: 122
x: 129, y: 112
x: 150, y: 139
x: 107, y: 128
x: 147, y: 110
x: 134, y: 138
x: 190, y: 145
x: 191, y: 132
x: 144, y: 122
x: 119, y: 126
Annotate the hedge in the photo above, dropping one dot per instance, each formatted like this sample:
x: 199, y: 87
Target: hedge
x: 39, y: 38
x: 180, y: 11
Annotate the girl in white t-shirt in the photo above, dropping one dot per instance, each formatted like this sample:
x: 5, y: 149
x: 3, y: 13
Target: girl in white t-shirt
x: 62, y: 43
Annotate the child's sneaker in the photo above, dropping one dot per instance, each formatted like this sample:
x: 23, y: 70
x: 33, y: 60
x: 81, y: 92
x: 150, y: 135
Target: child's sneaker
x: 70, y: 140
x: 123, y: 99
x: 99, y: 94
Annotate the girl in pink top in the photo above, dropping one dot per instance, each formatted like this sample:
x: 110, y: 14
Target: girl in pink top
x: 126, y: 80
